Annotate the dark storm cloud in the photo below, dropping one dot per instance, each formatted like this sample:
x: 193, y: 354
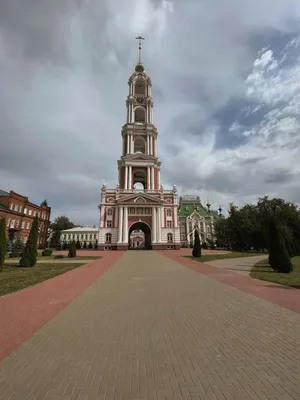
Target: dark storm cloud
x: 281, y: 176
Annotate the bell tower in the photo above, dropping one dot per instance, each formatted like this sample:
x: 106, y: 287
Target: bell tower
x: 139, y: 162
x: 138, y: 211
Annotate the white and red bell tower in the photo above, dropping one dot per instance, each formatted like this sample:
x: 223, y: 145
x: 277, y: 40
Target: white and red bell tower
x: 139, y: 202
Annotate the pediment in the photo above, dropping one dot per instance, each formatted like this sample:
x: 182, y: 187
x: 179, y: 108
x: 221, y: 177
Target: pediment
x: 140, y: 199
x: 194, y: 215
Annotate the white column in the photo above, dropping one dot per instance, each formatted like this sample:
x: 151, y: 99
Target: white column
x: 127, y: 147
x: 154, y: 225
x: 151, y: 146
x: 126, y: 177
x: 148, y: 178
x: 131, y: 144
x: 152, y: 178
x: 125, y: 225
x: 102, y: 217
x: 148, y: 149
x: 132, y: 113
x: 175, y: 218
x: 130, y: 178
x: 162, y: 217
x: 120, y: 226
x: 159, y: 224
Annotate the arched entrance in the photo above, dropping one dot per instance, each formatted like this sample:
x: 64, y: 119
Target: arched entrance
x: 139, y: 232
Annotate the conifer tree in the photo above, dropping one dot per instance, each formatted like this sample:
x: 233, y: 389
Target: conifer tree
x: 72, y: 250
x: 279, y: 258
x: 197, y: 245
x: 29, y: 255
x: 2, y: 242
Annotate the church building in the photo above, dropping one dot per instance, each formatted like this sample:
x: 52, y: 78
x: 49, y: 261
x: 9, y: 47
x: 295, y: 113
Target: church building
x: 139, y: 206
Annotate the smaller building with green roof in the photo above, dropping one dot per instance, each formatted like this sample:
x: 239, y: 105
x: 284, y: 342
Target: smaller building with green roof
x: 193, y: 215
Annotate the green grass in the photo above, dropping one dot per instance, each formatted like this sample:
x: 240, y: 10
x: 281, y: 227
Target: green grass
x: 212, y: 257
x: 13, y: 278
x: 264, y: 272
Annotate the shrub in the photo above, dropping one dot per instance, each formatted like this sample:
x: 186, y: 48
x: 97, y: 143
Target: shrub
x: 90, y: 246
x: 78, y: 245
x: 72, y: 250
x: 29, y: 255
x: 17, y: 246
x: 47, y: 252
x: 84, y: 245
x: 204, y: 245
x: 15, y: 254
x: 279, y: 258
x: 96, y: 244
x: 197, y: 245
x: 58, y: 256
x: 2, y: 242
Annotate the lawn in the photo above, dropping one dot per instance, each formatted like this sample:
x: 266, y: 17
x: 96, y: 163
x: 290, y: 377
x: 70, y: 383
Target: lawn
x: 264, y: 272
x: 13, y: 278
x: 212, y: 257
x: 47, y: 258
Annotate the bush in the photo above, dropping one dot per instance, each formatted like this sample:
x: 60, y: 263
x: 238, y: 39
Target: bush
x: 197, y: 245
x: 96, y: 244
x: 58, y: 256
x: 90, y: 246
x: 47, y: 252
x: 204, y: 245
x: 2, y: 242
x: 72, y: 250
x: 279, y: 258
x: 78, y: 245
x: 15, y: 254
x: 29, y: 256
x: 84, y: 245
x: 17, y: 246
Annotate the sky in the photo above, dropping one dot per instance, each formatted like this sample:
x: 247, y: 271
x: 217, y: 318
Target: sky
x: 226, y: 92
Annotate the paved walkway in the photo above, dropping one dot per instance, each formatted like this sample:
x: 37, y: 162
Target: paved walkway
x: 242, y: 265
x: 149, y: 328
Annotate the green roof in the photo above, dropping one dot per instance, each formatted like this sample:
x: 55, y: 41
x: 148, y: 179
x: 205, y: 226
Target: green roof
x: 187, y: 208
x: 3, y: 193
x: 3, y: 206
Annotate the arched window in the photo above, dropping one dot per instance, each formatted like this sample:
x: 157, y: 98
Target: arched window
x: 108, y: 237
x: 109, y: 211
x: 139, y: 145
x: 140, y: 115
x: 170, y: 237
x: 169, y: 212
x: 140, y: 88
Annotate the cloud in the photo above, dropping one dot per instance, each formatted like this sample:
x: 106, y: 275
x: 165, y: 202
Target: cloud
x: 226, y: 105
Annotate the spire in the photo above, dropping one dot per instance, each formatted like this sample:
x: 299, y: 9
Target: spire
x: 139, y: 67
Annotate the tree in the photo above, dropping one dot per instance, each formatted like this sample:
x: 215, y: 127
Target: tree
x: 2, y: 242
x: 84, y: 245
x: 72, y: 250
x: 29, y: 255
x: 90, y: 246
x: 60, y: 224
x: 96, y: 244
x: 279, y: 258
x: 78, y: 245
x: 197, y: 245
x: 18, y: 246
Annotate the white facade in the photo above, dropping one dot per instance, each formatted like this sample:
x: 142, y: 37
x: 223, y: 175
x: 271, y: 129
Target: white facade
x: 82, y: 234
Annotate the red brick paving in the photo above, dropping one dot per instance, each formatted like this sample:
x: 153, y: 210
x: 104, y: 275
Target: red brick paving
x: 24, y: 312
x: 277, y: 294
